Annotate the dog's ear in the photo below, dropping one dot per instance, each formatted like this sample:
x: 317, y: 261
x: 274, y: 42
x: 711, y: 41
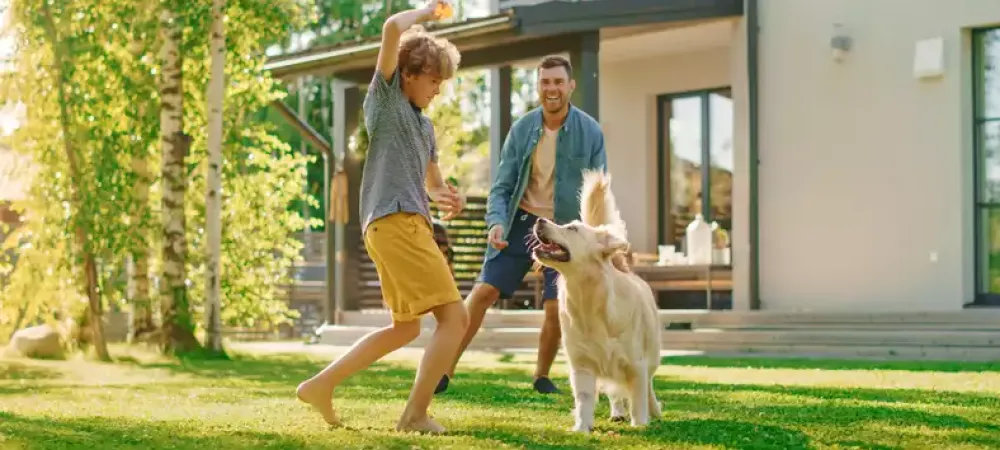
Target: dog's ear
x: 612, y: 243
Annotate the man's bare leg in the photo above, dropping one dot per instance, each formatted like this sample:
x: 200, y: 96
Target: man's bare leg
x: 452, y: 322
x: 318, y: 390
x: 548, y: 347
x: 480, y: 299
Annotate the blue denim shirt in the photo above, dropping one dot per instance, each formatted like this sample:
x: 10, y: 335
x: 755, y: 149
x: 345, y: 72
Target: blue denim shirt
x: 580, y: 146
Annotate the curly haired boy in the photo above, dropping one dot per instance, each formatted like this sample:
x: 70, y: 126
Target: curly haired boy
x: 400, y: 173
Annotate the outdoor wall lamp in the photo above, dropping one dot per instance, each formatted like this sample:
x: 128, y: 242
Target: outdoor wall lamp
x: 840, y: 43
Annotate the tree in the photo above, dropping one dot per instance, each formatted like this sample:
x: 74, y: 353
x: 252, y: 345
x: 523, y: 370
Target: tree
x: 113, y: 94
x: 144, y: 124
x: 178, y: 328
x: 213, y: 200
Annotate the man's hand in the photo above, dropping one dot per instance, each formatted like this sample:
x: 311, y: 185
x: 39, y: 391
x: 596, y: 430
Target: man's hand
x: 448, y: 199
x: 496, y: 237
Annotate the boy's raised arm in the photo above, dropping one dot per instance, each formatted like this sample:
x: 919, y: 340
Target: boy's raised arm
x: 395, y: 26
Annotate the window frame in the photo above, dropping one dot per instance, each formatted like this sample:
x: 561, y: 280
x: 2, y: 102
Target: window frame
x: 663, y: 207
x: 981, y: 207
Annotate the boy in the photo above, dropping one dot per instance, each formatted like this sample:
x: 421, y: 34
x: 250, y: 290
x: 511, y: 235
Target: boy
x: 400, y: 172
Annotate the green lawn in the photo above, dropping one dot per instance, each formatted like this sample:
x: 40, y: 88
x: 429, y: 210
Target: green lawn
x: 143, y: 402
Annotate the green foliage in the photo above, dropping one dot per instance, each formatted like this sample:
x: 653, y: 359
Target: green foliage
x: 114, y: 112
x: 335, y: 22
x: 463, y: 143
x: 262, y: 176
x: 99, y: 144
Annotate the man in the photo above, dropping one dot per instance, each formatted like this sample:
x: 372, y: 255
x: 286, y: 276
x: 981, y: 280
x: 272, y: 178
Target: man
x: 400, y: 172
x: 539, y: 175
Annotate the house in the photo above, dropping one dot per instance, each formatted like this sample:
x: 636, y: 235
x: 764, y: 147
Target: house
x: 853, y: 143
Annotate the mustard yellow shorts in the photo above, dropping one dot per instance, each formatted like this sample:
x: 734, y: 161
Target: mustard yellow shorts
x: 414, y: 274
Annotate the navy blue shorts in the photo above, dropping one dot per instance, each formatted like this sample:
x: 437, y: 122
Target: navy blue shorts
x: 506, y: 271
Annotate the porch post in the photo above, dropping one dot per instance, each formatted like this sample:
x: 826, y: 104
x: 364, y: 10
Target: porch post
x: 586, y: 71
x: 341, y: 245
x: 500, y: 116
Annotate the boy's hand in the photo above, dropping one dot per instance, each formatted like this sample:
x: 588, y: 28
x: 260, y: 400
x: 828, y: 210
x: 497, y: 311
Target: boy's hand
x: 448, y: 199
x: 438, y: 9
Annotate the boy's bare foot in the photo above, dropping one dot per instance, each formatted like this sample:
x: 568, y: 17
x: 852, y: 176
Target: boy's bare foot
x: 320, y: 399
x: 421, y: 425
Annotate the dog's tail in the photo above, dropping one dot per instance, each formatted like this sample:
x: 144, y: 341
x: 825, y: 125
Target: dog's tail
x: 597, y: 203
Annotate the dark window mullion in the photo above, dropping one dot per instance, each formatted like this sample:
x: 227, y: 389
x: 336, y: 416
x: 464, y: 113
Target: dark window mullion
x: 706, y: 157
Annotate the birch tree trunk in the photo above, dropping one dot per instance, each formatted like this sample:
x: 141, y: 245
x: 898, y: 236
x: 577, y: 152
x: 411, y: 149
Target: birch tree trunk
x: 139, y: 295
x: 95, y: 315
x: 142, y: 323
x: 140, y: 298
x: 178, y: 329
x: 213, y: 196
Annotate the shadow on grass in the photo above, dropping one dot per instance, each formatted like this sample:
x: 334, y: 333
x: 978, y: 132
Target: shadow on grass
x: 13, y: 370
x: 495, y: 387
x: 723, y: 433
x: 828, y: 364
x: 696, y: 413
x: 19, y: 378
x: 519, y: 438
x: 279, y: 375
x: 912, y: 396
x: 115, y: 433
x: 822, y: 408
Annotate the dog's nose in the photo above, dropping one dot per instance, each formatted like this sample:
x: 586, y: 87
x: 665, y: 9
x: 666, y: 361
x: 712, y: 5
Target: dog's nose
x: 541, y: 222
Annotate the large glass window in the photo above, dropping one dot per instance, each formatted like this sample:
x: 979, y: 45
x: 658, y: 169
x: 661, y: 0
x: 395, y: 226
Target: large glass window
x: 986, y: 63
x: 695, y: 161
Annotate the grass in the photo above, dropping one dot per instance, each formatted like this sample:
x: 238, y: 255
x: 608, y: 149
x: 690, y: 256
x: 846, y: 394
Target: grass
x: 144, y: 402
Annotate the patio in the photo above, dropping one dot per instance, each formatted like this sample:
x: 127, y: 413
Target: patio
x: 597, y: 37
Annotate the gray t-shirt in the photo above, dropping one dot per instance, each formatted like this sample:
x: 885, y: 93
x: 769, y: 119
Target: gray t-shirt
x: 401, y: 143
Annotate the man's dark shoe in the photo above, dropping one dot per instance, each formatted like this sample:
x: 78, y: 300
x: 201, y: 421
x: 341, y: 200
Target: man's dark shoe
x: 442, y: 385
x: 544, y: 385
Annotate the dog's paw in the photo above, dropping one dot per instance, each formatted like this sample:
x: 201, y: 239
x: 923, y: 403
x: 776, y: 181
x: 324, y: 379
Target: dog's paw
x: 579, y: 428
x: 619, y: 419
x: 641, y: 422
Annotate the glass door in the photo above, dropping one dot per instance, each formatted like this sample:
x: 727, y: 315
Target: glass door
x: 986, y: 62
x: 695, y: 161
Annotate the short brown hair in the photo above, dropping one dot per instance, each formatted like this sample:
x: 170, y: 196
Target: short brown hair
x: 552, y: 61
x: 421, y: 52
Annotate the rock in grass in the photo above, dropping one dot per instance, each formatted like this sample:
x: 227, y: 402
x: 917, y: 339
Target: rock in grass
x: 42, y: 341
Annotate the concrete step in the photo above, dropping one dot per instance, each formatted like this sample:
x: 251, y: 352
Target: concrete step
x: 908, y: 353
x: 956, y: 345
x: 895, y: 338
x: 491, y: 339
x: 973, y: 319
x: 966, y: 320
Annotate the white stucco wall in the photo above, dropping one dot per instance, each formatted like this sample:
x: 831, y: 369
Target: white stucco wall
x: 865, y: 171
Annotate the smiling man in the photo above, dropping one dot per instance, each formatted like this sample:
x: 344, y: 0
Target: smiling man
x: 539, y: 176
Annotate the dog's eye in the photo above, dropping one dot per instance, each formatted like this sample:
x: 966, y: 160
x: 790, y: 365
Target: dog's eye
x: 571, y: 228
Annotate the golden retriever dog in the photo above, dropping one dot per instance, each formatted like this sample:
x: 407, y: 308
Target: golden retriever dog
x: 608, y: 316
